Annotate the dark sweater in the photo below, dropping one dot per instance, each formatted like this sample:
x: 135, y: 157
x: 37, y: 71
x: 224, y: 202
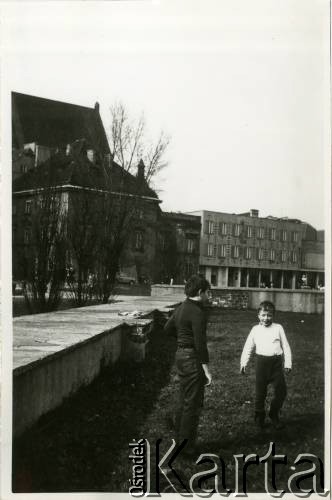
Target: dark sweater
x: 188, y: 324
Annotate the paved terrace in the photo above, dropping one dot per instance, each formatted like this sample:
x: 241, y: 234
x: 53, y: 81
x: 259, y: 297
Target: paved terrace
x: 40, y: 335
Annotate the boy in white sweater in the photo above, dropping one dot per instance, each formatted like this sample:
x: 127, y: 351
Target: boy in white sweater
x: 273, y: 358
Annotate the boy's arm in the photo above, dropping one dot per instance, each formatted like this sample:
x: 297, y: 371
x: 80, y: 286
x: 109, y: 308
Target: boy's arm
x: 287, y: 350
x: 199, y: 331
x: 247, y: 351
x: 198, y: 324
x: 170, y: 327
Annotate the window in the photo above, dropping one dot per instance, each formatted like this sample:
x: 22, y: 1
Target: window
x: 273, y: 233
x: 189, y: 269
x: 284, y: 235
x: 213, y: 278
x: 249, y: 231
x: 222, y: 250
x: 190, y: 245
x: 139, y: 240
x: 236, y: 229
x: 283, y: 255
x: 294, y: 256
x: 260, y: 253
x: 223, y: 228
x: 295, y: 236
x: 23, y: 169
x: 27, y: 209
x: 27, y: 236
x: 272, y: 254
x: 236, y: 252
x: 91, y: 155
x: 260, y: 233
x: 209, y: 227
x: 248, y: 253
x: 211, y: 250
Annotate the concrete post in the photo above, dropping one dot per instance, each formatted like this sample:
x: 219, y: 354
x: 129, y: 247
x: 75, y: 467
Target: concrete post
x: 293, y: 280
x: 226, y: 276
x: 247, y: 279
x: 259, y: 277
x: 219, y: 277
x: 282, y: 280
x: 208, y: 273
x: 317, y: 280
x: 271, y: 277
x: 238, y: 284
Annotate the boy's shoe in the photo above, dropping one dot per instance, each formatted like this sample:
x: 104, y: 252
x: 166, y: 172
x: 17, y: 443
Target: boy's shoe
x: 170, y: 422
x: 190, y: 452
x: 260, y: 421
x: 276, y: 422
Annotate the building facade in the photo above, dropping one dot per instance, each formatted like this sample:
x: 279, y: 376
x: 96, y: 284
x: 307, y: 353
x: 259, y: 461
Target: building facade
x: 60, y: 151
x: 245, y: 250
x: 178, y: 245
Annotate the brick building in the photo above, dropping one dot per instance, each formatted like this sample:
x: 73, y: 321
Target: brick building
x: 245, y: 250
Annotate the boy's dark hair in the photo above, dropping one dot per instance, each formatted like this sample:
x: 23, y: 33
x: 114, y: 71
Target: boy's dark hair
x: 266, y: 305
x: 194, y: 284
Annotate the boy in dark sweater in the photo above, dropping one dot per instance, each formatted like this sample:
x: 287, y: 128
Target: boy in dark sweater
x: 188, y: 324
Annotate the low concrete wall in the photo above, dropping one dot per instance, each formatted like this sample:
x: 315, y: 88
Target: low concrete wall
x: 304, y: 301
x: 42, y: 385
x: 167, y: 290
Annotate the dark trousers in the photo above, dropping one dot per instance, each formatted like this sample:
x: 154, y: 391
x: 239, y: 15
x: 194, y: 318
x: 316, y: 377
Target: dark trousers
x: 191, y: 394
x: 269, y: 370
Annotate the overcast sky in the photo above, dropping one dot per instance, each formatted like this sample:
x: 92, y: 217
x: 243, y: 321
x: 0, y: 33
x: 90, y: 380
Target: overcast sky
x: 241, y: 87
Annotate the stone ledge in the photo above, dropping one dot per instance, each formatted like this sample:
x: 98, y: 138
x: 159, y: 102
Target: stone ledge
x: 57, y: 353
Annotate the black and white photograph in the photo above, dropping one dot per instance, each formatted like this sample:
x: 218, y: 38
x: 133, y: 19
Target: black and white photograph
x: 165, y: 249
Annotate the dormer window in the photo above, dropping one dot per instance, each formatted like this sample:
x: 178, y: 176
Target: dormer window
x: 91, y: 155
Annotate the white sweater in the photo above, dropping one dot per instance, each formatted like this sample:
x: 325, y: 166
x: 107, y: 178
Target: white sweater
x: 267, y: 341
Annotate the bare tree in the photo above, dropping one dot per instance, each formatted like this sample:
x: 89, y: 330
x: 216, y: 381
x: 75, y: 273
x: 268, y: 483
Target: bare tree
x: 83, y: 226
x: 130, y: 144
x: 122, y: 202
x: 43, y: 255
x: 118, y: 214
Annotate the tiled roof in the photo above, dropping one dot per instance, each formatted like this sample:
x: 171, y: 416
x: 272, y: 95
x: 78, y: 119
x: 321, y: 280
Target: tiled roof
x: 77, y: 170
x: 55, y: 124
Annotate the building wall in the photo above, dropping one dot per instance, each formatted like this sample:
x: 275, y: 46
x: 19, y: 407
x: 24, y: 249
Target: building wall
x: 23, y: 161
x: 313, y: 255
x: 178, y: 246
x: 264, y: 250
x: 302, y: 301
x: 139, y: 257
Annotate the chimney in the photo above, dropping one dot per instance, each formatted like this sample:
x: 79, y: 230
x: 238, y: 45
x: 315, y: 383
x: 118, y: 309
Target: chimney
x: 140, y: 170
x: 254, y: 212
x: 97, y: 106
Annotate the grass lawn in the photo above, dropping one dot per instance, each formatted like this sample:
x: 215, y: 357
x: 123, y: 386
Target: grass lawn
x: 83, y: 446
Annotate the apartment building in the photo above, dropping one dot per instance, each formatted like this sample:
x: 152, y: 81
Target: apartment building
x: 245, y: 250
